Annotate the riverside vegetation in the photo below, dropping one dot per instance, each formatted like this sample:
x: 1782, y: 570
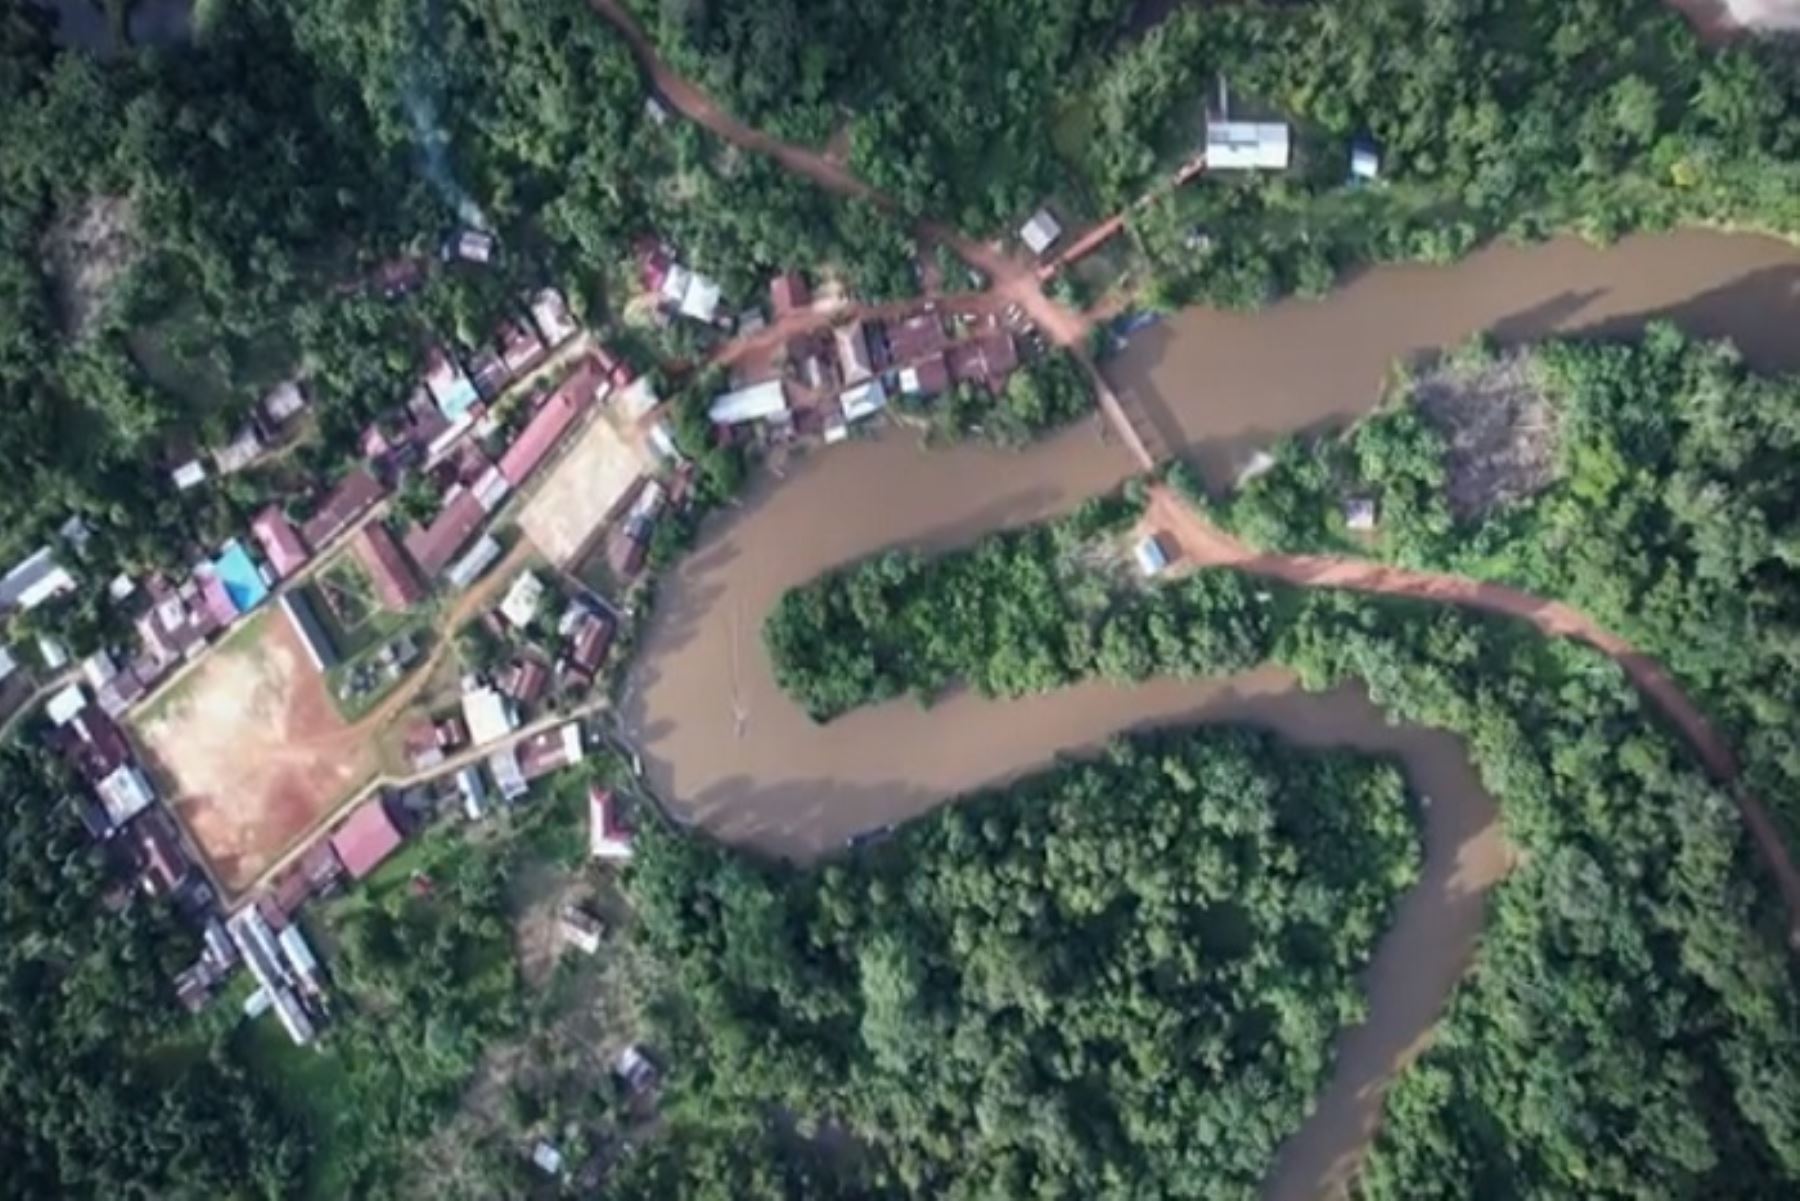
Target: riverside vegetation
x: 1666, y: 509
x: 1118, y: 978
x: 1514, y: 117
x: 1631, y: 1026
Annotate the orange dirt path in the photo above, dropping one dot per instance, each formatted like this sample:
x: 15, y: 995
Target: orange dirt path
x: 1205, y: 545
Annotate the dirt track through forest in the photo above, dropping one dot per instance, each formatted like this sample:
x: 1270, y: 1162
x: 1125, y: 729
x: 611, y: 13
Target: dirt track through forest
x: 1205, y: 545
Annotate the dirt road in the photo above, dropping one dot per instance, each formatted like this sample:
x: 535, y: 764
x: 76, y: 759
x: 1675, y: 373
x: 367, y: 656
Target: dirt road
x: 1012, y: 280
x: 1205, y: 545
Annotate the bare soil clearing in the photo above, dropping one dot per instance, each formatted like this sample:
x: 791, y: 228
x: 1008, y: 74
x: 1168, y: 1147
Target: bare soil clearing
x: 255, y: 748
x: 570, y: 506
x: 1499, y: 427
x: 89, y: 247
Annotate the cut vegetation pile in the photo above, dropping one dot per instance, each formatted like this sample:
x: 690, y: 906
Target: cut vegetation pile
x: 1498, y: 427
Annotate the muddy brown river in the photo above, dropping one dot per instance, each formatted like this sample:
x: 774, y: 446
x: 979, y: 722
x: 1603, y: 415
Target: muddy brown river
x: 729, y: 753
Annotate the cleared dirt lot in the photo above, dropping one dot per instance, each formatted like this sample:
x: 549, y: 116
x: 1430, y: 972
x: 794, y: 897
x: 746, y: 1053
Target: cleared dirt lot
x: 572, y: 502
x: 253, y: 750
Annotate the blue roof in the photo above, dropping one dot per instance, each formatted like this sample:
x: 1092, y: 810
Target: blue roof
x: 461, y: 396
x: 243, y: 583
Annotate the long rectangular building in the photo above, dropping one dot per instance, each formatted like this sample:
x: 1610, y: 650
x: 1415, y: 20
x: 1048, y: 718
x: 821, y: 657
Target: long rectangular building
x: 311, y: 632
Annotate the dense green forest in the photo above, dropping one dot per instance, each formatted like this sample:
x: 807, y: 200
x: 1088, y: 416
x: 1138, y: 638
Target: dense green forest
x: 1631, y: 1028
x: 1515, y: 117
x: 106, y: 1088
x: 1667, y: 507
x: 1118, y: 979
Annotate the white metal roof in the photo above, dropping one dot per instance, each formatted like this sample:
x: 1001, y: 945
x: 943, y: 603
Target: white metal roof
x: 1151, y: 557
x: 488, y: 715
x: 504, y: 764
x: 701, y: 300
x: 522, y: 599
x: 755, y: 403
x: 1040, y: 232
x: 34, y: 580
x: 1246, y: 145
x: 66, y: 704
x: 864, y: 400
x: 478, y: 559
x: 125, y: 793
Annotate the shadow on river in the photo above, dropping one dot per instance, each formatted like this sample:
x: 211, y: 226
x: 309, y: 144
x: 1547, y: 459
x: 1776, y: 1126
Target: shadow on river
x: 730, y: 753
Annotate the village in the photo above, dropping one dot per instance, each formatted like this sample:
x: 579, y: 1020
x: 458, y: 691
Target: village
x: 432, y: 638
x: 436, y: 629
x: 434, y: 634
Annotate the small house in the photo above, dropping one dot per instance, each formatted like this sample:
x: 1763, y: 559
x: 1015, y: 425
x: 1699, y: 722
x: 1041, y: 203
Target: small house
x: 634, y: 1069
x: 190, y: 474
x: 366, y: 838
x: 471, y: 566
x: 1359, y: 514
x: 787, y: 293
x: 280, y: 542
x: 488, y: 715
x: 759, y: 402
x: 448, y: 385
x: 520, y: 347
x: 125, y: 793
x: 283, y: 402
x: 854, y: 362
x: 509, y: 777
x: 609, y: 838
x: 581, y: 929
x: 546, y: 1158
x: 551, y: 313
x: 521, y: 602
x: 1152, y: 558
x: 1041, y: 232
x: 864, y: 400
x: 473, y: 791
x: 1246, y: 146
x: 33, y: 580
x: 240, y: 452
x: 473, y: 246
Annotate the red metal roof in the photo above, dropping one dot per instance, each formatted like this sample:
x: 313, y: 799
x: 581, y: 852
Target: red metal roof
x: 279, y: 540
x: 550, y: 422
x: 917, y: 336
x: 217, y: 599
x: 433, y: 547
x: 349, y: 500
x: 592, y: 639
x: 366, y: 838
x: 396, y: 583
x: 787, y: 292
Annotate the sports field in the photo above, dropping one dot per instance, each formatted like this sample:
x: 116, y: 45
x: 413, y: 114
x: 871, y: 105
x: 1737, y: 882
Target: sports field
x: 252, y: 749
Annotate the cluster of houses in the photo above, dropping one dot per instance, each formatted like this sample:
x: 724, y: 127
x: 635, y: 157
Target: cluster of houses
x: 474, y: 461
x: 266, y: 931
x: 542, y: 637
x: 823, y: 382
x: 678, y: 290
x: 177, y: 617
